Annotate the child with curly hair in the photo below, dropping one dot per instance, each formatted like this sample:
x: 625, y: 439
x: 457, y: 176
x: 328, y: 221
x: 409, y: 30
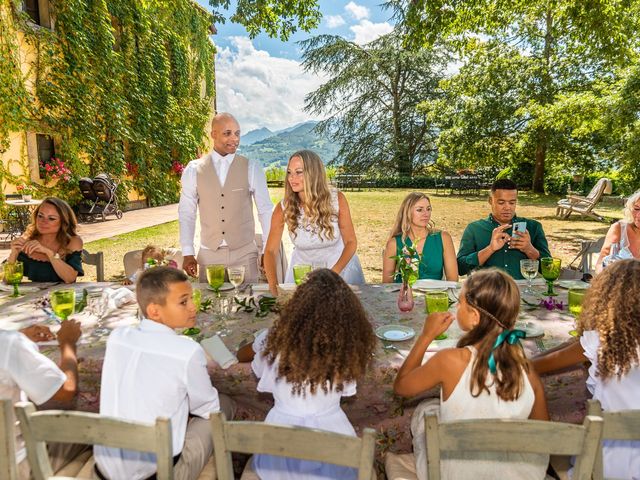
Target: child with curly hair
x: 313, y: 355
x: 486, y: 376
x: 609, y: 329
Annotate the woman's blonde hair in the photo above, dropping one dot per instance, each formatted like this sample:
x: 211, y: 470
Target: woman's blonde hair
x: 402, y: 225
x: 628, y: 206
x: 612, y: 308
x: 68, y: 223
x: 151, y: 251
x: 496, y: 297
x: 319, y: 209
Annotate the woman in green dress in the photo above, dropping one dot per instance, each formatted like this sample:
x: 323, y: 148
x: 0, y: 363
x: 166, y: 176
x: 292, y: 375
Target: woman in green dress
x: 414, y: 225
x: 50, y: 249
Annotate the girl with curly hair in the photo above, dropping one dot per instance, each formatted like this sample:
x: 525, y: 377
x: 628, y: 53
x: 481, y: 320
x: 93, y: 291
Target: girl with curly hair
x: 50, y: 249
x: 609, y: 329
x: 486, y: 376
x: 309, y: 359
x: 414, y: 225
x: 318, y: 220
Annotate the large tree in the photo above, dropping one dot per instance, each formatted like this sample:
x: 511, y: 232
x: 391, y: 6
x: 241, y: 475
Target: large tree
x: 556, y: 48
x: 278, y: 18
x: 370, y: 101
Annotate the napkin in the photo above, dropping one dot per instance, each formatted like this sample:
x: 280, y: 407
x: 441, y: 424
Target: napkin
x: 435, y: 284
x: 218, y: 352
x: 114, y: 298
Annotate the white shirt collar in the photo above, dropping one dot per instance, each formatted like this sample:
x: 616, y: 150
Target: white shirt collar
x: 217, y: 158
x: 153, y: 326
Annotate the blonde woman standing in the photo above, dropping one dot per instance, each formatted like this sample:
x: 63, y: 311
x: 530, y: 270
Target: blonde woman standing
x: 413, y: 225
x: 318, y: 220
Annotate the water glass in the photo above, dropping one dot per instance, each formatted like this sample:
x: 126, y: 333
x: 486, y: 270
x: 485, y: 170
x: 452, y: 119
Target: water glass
x: 437, y: 301
x: 215, y: 277
x: 300, y: 272
x: 236, y: 276
x: 550, y: 272
x: 63, y: 302
x: 529, y: 270
x: 13, y: 273
x: 317, y: 265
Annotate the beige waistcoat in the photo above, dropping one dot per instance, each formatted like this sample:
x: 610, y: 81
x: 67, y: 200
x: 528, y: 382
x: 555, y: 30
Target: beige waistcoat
x: 225, y: 212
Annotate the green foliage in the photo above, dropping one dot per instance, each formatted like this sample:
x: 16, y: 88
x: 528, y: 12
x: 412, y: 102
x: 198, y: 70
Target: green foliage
x: 370, y: 100
x: 125, y: 87
x: 278, y: 18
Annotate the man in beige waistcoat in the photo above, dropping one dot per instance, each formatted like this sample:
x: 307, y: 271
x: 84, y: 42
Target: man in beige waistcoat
x: 221, y: 185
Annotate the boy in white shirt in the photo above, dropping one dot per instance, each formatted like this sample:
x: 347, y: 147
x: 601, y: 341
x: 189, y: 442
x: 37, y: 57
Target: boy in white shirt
x: 150, y: 371
x: 26, y: 374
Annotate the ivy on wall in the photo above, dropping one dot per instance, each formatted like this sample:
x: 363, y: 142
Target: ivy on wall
x: 124, y: 86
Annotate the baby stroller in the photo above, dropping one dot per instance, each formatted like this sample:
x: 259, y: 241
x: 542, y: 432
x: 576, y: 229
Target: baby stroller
x: 100, y: 196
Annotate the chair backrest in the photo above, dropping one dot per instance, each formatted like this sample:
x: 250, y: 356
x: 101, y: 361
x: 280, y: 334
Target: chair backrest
x: 8, y: 468
x: 290, y: 441
x: 523, y: 436
x: 96, y: 259
x: 623, y: 425
x: 281, y: 258
x: 602, y: 186
x: 589, y: 248
x: 133, y: 259
x: 91, y: 429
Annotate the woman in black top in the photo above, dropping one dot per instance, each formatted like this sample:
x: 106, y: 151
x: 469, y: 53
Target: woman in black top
x: 50, y: 249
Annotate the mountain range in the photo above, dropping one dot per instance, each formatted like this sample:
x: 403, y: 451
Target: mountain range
x: 275, y: 148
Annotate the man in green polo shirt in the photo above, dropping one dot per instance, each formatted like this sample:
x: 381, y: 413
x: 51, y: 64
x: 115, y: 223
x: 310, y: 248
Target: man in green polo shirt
x: 490, y: 242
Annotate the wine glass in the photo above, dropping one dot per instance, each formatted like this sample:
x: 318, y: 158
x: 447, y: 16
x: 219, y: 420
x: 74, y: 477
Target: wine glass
x: 300, y: 272
x: 63, y: 302
x: 215, y: 277
x: 225, y: 303
x: 437, y: 301
x: 13, y: 273
x: 236, y: 277
x: 529, y: 270
x: 550, y: 272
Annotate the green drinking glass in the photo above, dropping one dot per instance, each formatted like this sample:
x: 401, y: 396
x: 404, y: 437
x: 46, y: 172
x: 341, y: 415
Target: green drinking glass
x: 576, y: 297
x: 437, y: 301
x: 13, y: 273
x: 197, y: 298
x: 300, y: 272
x: 63, y: 302
x: 215, y: 277
x: 550, y: 271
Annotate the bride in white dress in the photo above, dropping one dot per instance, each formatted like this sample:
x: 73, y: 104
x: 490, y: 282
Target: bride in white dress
x: 318, y: 220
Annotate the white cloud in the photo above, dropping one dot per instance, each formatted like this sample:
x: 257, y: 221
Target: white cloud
x: 334, y: 21
x: 261, y: 90
x: 358, y: 12
x: 367, y: 31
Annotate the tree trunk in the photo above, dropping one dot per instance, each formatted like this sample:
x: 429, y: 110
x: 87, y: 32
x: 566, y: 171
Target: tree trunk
x: 541, y: 154
x: 404, y: 164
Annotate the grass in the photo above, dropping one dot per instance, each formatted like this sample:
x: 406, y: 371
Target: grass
x: 373, y: 213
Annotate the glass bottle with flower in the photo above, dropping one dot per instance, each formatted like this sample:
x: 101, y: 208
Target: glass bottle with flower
x: 407, y: 266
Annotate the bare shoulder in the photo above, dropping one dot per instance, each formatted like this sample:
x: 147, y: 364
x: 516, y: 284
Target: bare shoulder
x: 75, y: 243
x: 445, y: 235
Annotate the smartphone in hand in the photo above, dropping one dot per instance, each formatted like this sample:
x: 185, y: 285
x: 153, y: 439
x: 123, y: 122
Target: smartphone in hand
x: 519, y: 227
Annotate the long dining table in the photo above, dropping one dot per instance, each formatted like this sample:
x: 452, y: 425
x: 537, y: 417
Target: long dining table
x: 374, y: 405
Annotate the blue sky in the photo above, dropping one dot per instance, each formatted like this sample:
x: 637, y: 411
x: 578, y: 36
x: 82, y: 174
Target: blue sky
x: 261, y: 82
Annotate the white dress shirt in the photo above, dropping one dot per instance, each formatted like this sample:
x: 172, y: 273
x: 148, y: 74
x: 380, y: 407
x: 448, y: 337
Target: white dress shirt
x: 189, y: 197
x: 149, y: 371
x: 26, y: 373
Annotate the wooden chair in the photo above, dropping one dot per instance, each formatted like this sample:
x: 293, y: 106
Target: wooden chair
x: 96, y: 259
x: 281, y: 258
x: 8, y: 467
x: 617, y: 426
x: 523, y: 436
x: 289, y: 441
x: 585, y: 205
x: 91, y: 429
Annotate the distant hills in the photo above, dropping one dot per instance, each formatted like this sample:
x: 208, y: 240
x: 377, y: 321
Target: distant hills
x: 275, y: 148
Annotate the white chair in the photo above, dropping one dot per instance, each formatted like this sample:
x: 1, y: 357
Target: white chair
x: 289, y: 441
x: 281, y: 258
x: 8, y: 467
x: 91, y: 429
x: 523, y: 436
x: 584, y: 205
x: 617, y: 426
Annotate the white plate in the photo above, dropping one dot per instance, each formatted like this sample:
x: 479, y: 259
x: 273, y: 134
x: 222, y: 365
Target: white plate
x: 538, y: 281
x: 427, y: 284
x: 573, y: 284
x: 225, y: 286
x: 530, y: 329
x: 395, y: 333
x: 260, y: 287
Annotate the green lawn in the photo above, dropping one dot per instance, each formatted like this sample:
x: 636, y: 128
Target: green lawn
x: 373, y: 213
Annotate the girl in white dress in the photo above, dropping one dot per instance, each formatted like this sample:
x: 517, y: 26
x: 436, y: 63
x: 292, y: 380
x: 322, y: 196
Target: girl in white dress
x: 318, y: 220
x: 486, y: 376
x: 609, y: 327
x: 309, y: 359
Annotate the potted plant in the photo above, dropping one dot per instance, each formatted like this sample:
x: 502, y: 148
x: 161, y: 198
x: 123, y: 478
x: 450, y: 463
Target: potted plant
x: 407, y: 265
x: 26, y: 190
